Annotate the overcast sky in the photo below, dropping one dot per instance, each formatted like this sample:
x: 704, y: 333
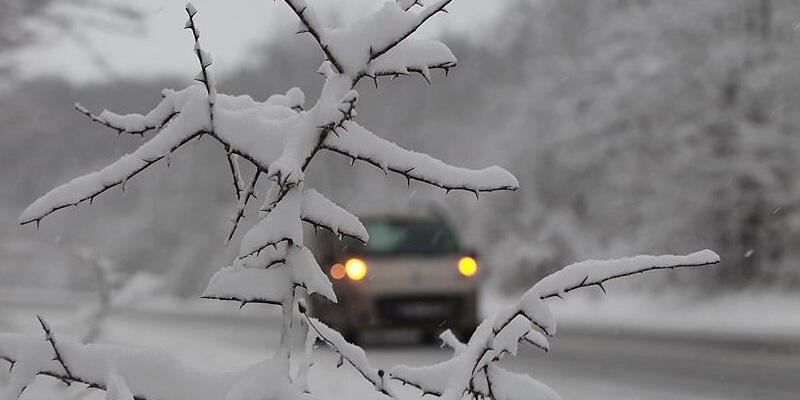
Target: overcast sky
x: 230, y: 29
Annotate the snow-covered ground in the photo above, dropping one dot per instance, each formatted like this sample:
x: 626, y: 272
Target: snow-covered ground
x: 625, y: 347
x: 748, y: 316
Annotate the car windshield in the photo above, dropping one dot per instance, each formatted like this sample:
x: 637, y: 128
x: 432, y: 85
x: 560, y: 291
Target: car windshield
x: 393, y: 236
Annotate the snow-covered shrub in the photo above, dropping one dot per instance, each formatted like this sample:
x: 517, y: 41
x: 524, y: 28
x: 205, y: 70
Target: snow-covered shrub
x: 280, y: 137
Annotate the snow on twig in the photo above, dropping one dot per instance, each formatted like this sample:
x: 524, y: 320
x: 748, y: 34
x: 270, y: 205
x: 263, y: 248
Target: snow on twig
x: 133, y: 124
x: 361, y: 144
x: 353, y: 354
x: 149, y: 374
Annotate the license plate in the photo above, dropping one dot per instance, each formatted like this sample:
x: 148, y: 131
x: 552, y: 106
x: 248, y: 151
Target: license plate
x: 423, y: 309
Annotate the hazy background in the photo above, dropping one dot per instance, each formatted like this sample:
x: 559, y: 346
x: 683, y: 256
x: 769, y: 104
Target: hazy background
x: 634, y: 126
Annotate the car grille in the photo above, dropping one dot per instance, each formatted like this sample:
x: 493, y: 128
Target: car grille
x: 416, y: 308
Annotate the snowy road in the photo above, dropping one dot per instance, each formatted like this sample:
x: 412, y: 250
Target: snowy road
x: 581, y: 365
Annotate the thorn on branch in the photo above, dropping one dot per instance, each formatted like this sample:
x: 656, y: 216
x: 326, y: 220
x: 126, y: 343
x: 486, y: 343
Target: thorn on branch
x: 424, y: 77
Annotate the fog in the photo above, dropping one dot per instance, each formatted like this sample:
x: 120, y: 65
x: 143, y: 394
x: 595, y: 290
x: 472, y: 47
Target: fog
x: 633, y: 126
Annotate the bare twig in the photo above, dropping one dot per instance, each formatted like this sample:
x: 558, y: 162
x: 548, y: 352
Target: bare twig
x: 205, y: 78
x: 243, y: 302
x: 319, y: 224
x: 300, y: 9
x: 269, y: 244
x: 240, y: 207
x: 68, y: 377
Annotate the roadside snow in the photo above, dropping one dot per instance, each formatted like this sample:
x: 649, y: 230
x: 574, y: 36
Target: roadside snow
x: 747, y: 316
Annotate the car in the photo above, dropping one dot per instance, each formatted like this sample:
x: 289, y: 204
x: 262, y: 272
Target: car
x: 412, y: 273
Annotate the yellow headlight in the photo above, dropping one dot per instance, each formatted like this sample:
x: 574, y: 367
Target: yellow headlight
x: 467, y: 266
x: 356, y: 269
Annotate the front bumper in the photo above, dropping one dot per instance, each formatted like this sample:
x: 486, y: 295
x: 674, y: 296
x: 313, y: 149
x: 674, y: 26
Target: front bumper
x: 359, y: 312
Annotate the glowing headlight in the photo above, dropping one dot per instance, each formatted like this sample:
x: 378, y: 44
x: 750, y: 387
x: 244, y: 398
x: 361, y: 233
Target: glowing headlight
x: 467, y: 266
x: 355, y: 269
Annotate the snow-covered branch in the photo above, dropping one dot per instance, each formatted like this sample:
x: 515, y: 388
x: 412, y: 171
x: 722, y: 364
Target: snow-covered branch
x: 361, y: 144
x: 90, y: 186
x: 419, y: 56
x: 323, y: 213
x: 148, y: 374
x: 349, y: 352
x: 272, y: 285
x: 403, y: 28
x: 473, y: 368
x: 133, y: 124
x: 249, y: 192
x: 595, y: 272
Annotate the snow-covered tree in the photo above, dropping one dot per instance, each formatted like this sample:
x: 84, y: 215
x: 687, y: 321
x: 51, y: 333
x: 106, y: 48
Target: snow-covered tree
x: 280, y: 137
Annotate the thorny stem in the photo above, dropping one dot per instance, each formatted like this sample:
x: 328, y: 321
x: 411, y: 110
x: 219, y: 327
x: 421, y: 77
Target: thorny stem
x: 211, y: 90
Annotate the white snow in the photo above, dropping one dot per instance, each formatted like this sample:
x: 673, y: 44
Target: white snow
x: 306, y: 272
x: 193, y: 119
x: 413, y: 55
x: 281, y: 224
x: 251, y: 285
x: 362, y: 144
x: 29, y: 358
x: 353, y: 354
x: 138, y: 122
x: 513, y: 386
x: 116, y: 388
x: 595, y: 272
x: 450, y: 340
x: 507, y: 340
x: 148, y: 373
x: 322, y: 212
x: 354, y: 45
x: 273, y: 285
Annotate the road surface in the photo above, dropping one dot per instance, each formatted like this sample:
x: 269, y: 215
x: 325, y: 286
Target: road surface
x: 581, y: 365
